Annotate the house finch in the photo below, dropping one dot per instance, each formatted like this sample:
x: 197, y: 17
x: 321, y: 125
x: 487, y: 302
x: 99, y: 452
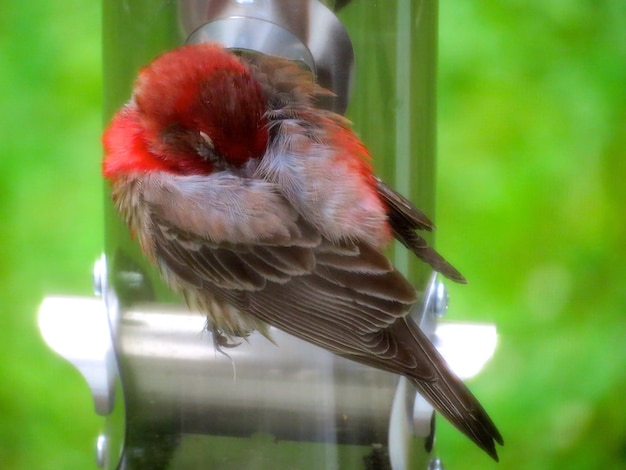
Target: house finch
x: 261, y: 209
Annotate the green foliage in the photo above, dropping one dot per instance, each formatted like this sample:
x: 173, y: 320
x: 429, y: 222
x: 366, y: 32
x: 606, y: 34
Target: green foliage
x: 51, y: 230
x: 532, y: 113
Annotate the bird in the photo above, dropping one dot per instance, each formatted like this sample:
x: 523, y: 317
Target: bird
x: 261, y: 209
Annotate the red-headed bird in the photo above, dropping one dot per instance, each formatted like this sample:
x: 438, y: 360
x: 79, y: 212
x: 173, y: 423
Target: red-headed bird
x: 261, y: 209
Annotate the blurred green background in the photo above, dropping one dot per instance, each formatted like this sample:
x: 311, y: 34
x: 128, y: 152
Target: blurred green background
x: 532, y: 158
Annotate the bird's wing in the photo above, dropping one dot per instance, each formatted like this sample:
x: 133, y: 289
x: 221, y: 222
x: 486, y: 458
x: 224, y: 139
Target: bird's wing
x: 283, y: 271
x: 346, y: 298
x: 405, y: 220
x: 341, y: 298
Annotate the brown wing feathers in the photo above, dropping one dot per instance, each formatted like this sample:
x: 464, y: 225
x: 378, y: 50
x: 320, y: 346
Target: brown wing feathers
x: 350, y: 301
x: 405, y: 219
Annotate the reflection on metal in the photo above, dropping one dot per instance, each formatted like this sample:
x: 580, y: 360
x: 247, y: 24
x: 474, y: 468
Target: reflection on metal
x: 435, y: 464
x: 302, y: 30
x: 102, y: 451
x: 254, y: 34
x: 466, y: 346
x: 434, y: 306
x: 77, y: 328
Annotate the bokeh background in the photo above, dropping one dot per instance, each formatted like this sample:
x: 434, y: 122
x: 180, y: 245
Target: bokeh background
x: 530, y: 206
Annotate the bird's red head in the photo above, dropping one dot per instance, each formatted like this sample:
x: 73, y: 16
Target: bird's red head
x: 194, y: 109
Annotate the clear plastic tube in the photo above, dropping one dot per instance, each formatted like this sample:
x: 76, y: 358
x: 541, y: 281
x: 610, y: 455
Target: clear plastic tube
x: 291, y: 405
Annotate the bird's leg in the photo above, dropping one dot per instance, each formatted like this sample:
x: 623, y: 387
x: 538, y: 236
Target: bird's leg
x: 220, y: 340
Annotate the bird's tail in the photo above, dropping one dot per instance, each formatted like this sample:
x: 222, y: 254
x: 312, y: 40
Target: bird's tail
x: 445, y: 391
